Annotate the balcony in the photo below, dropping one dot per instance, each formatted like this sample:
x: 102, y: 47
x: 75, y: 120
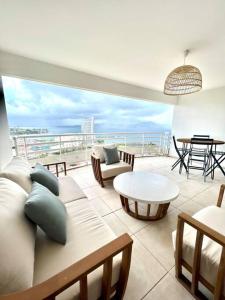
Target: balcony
x: 75, y: 149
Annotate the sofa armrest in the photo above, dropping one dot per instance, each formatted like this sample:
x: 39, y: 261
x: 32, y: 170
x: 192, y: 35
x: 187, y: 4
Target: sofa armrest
x: 79, y: 271
x: 202, y: 230
x: 221, y: 194
x: 127, y: 157
x: 57, y: 164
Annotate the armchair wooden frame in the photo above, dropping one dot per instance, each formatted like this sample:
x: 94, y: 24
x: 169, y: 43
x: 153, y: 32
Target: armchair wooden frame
x: 96, y: 165
x: 56, y: 165
x: 197, y: 278
x: 78, y: 272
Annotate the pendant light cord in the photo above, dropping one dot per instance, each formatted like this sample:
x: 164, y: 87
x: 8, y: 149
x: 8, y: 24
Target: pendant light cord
x: 186, y: 52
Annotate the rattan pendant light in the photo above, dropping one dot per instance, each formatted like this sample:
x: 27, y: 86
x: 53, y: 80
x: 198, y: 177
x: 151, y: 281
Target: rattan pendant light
x: 183, y: 80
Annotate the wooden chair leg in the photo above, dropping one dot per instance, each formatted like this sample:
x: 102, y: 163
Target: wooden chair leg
x: 124, y: 272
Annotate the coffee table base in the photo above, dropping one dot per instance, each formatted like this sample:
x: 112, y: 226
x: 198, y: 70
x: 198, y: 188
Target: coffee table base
x: 160, y: 213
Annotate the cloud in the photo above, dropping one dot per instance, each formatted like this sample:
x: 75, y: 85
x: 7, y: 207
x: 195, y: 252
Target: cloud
x: 163, y: 118
x: 36, y: 104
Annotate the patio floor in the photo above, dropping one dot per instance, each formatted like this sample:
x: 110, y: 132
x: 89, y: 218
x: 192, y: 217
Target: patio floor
x: 152, y: 268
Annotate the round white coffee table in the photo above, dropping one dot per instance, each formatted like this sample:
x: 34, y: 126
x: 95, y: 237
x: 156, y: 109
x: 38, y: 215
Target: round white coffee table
x: 149, y: 194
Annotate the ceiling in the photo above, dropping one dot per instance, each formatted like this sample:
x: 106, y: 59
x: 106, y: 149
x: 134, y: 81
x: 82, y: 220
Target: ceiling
x: 138, y: 42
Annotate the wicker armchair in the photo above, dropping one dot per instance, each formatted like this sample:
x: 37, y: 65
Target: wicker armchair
x: 103, y: 172
x: 200, y: 249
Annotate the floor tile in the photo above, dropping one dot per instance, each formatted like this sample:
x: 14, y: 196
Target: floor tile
x: 116, y: 225
x: 169, y: 288
x: 158, y: 240
x: 190, y: 207
x: 145, y: 272
x: 133, y: 224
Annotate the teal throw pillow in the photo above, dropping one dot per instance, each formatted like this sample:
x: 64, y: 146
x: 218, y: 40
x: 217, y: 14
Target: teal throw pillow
x: 43, y: 176
x: 46, y: 210
x: 111, y: 155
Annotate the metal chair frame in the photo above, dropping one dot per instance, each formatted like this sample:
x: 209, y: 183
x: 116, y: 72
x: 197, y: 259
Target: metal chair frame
x: 200, y: 155
x: 182, y: 153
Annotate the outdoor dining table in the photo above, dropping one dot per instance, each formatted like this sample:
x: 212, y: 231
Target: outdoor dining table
x: 217, y: 161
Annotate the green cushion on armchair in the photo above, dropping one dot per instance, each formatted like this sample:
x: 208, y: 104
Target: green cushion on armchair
x: 111, y: 155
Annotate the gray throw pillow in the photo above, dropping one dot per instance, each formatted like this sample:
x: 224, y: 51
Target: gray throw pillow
x: 43, y: 176
x: 46, y: 210
x: 111, y: 155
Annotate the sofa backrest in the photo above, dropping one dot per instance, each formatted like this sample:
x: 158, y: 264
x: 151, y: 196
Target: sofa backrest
x: 17, y: 239
x: 18, y: 170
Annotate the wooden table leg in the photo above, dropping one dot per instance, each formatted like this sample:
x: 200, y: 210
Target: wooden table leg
x: 161, y: 211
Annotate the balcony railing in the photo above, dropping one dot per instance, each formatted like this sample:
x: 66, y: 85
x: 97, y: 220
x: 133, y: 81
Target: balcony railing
x: 75, y: 148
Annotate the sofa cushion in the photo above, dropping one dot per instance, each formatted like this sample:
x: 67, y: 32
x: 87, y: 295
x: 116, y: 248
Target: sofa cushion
x: 213, y: 217
x: 17, y: 239
x: 47, y: 211
x: 18, y: 170
x: 43, y: 176
x: 115, y: 169
x: 86, y: 232
x: 111, y: 155
x: 97, y: 150
x: 69, y: 190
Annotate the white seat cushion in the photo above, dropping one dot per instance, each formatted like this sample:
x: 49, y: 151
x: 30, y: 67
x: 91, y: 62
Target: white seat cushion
x: 86, y: 232
x: 17, y: 240
x: 213, y: 217
x: 115, y: 169
x: 18, y: 170
x: 69, y: 190
x: 97, y: 150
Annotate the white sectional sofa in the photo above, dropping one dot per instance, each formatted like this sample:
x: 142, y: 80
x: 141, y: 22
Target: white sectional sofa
x: 92, y: 264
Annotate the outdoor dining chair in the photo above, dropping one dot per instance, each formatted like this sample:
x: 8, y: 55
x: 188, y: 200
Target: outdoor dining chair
x: 182, y: 153
x: 201, y: 157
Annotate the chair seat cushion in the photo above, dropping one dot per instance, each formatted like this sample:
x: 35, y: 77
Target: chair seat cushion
x: 86, y: 232
x: 18, y: 170
x: 115, y: 169
x: 69, y: 190
x: 213, y: 217
x: 17, y: 240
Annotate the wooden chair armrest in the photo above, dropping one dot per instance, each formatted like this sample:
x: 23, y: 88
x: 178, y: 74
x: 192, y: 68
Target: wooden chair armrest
x: 202, y: 228
x: 57, y: 164
x: 127, y: 157
x: 55, y: 285
x: 221, y: 194
x: 95, y: 157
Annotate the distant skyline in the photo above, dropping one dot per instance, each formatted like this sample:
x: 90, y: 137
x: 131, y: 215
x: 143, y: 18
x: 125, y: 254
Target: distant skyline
x: 41, y: 105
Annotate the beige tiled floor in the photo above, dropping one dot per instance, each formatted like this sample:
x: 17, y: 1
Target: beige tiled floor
x: 152, y: 268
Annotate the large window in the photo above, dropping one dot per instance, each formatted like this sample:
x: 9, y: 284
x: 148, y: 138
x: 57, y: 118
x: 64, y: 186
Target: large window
x: 61, y: 114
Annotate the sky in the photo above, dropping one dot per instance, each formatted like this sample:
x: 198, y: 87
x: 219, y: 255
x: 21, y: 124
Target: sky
x: 41, y: 105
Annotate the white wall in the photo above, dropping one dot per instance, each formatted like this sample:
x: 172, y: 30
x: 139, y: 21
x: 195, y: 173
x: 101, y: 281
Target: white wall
x: 22, y: 67
x: 200, y: 113
x: 5, y: 145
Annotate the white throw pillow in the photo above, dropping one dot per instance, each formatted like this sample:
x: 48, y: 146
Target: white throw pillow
x: 98, y: 151
x: 17, y: 240
x: 18, y: 170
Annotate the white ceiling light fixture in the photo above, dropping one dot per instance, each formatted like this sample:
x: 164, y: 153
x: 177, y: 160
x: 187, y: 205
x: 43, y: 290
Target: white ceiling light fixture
x: 183, y: 80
